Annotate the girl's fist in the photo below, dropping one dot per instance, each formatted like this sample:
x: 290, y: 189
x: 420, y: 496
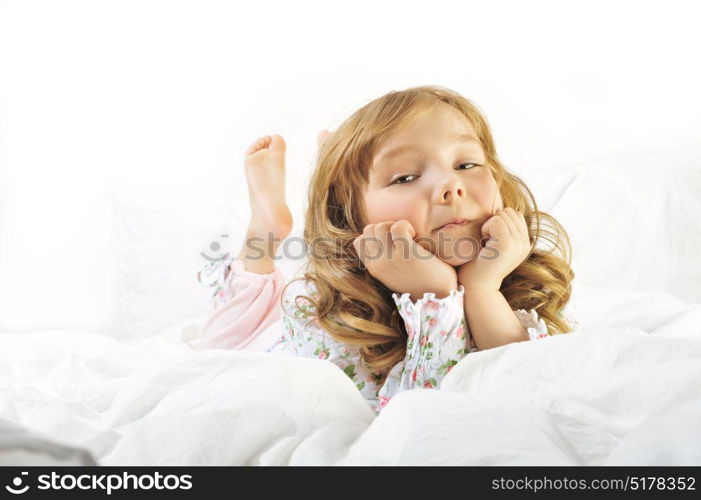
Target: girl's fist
x: 389, y: 253
x: 507, y: 246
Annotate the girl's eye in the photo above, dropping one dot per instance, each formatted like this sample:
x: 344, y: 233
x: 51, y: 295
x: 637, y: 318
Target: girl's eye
x: 402, y: 177
x: 475, y: 164
x: 398, y: 179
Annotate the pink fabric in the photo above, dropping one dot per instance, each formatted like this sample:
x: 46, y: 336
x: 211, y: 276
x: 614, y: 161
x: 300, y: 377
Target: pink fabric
x: 248, y: 304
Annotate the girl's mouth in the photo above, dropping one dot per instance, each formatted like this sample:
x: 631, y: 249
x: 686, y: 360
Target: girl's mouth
x: 453, y: 225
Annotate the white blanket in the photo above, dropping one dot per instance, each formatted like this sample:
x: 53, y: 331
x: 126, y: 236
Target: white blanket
x: 625, y: 388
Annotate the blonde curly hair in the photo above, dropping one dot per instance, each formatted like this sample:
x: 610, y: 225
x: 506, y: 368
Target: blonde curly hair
x: 353, y: 306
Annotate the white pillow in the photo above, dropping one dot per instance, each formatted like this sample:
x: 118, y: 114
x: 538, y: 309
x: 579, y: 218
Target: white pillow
x: 162, y: 237
x: 633, y: 220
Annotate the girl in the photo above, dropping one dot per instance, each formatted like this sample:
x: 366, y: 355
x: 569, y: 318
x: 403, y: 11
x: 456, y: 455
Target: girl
x: 422, y: 247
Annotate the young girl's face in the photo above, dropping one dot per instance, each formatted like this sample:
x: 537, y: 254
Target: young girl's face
x: 439, y: 175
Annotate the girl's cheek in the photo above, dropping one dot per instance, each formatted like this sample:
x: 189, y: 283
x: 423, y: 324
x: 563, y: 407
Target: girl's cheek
x: 399, y: 207
x: 487, y: 195
x: 374, y: 207
x: 495, y: 203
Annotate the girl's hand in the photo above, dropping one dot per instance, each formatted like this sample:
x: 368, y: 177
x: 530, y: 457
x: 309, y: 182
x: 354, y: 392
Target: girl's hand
x: 390, y: 254
x: 507, y: 247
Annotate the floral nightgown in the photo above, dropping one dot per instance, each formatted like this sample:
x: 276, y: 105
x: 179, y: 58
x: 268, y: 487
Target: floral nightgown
x: 245, y: 303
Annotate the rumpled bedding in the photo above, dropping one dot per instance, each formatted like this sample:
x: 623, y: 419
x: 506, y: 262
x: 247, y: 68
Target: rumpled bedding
x: 623, y: 389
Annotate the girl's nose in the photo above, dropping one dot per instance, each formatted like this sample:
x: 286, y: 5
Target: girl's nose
x: 452, y: 189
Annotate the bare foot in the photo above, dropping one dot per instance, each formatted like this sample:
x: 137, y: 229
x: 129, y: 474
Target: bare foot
x: 321, y: 138
x: 264, y: 161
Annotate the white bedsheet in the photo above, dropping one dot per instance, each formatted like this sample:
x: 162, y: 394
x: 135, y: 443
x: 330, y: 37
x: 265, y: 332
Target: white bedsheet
x: 625, y: 388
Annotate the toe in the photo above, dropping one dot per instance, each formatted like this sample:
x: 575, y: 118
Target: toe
x: 258, y: 144
x: 277, y: 143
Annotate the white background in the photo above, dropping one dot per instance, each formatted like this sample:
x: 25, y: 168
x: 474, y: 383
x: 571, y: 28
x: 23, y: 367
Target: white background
x: 168, y: 94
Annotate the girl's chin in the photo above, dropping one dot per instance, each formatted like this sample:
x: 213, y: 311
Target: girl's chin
x: 456, y: 261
